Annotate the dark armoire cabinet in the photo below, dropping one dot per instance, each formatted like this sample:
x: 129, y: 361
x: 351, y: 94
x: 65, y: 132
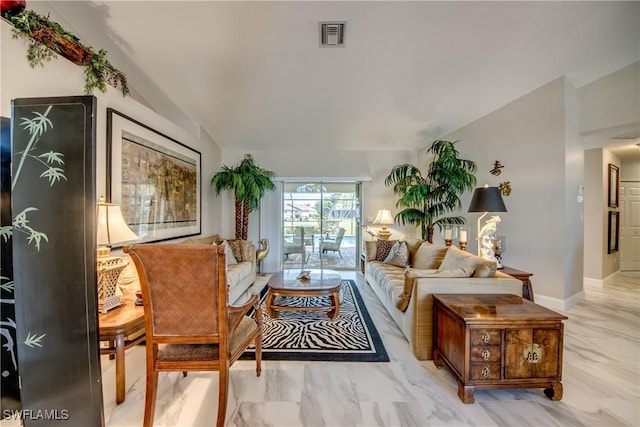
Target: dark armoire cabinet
x: 54, y: 261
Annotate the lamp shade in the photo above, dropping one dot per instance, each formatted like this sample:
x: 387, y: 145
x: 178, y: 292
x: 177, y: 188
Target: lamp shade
x: 112, y: 228
x: 383, y: 217
x: 487, y: 199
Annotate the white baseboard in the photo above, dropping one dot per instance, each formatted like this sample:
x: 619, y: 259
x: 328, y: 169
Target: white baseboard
x: 588, y: 282
x: 559, y: 304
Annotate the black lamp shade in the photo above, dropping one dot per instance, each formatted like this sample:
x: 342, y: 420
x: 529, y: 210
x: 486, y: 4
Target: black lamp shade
x: 487, y: 199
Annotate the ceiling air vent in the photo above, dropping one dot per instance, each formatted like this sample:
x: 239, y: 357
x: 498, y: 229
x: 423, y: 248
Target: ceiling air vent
x: 332, y: 33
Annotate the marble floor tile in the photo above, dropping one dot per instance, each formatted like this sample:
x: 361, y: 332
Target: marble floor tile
x: 601, y: 379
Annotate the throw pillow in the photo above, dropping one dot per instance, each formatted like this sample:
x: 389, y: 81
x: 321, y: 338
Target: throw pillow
x: 413, y: 245
x: 228, y: 253
x: 236, y: 247
x: 398, y: 255
x: 246, y: 247
x: 456, y: 258
x: 428, y: 256
x: 383, y: 249
x: 411, y: 274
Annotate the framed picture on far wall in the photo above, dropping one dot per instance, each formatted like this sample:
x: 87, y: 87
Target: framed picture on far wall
x: 614, y: 185
x: 154, y: 178
x: 614, y: 227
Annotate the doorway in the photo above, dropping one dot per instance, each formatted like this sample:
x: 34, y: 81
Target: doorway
x: 629, y: 226
x: 321, y: 225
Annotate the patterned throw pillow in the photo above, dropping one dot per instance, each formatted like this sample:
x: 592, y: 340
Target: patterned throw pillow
x: 236, y: 247
x: 383, y: 249
x: 398, y: 255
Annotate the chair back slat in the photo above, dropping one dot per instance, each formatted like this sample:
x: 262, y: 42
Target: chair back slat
x: 181, y: 289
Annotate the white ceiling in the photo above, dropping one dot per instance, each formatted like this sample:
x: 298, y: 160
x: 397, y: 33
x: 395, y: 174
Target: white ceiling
x: 252, y: 73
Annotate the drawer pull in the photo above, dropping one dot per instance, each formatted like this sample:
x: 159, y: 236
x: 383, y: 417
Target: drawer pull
x: 485, y: 372
x: 485, y: 337
x: 486, y: 354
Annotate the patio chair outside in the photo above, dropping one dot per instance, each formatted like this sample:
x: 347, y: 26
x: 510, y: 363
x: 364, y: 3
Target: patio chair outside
x: 333, y: 244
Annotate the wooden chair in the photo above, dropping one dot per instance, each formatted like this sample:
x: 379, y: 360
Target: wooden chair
x: 188, y: 322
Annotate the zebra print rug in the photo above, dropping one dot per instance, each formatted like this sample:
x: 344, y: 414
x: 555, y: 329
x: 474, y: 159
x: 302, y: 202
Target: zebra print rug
x: 311, y: 335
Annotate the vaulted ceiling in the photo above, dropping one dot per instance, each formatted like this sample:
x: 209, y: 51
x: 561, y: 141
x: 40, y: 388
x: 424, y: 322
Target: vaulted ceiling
x: 253, y: 75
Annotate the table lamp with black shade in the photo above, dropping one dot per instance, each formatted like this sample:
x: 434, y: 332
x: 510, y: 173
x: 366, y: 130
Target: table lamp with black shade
x: 111, y: 229
x: 487, y: 199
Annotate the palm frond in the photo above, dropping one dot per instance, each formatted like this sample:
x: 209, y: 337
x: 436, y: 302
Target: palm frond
x: 426, y: 199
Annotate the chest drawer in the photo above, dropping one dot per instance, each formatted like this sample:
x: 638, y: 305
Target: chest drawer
x: 485, y: 371
x: 486, y: 337
x: 486, y: 354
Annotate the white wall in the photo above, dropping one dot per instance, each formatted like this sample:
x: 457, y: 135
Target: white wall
x: 574, y: 207
x: 62, y: 78
x: 610, y: 102
x: 630, y: 169
x: 608, y: 107
x: 595, y: 199
x: 599, y: 265
x: 528, y: 137
x: 610, y: 262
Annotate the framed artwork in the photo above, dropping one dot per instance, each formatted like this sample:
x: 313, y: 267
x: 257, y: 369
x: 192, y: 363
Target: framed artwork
x: 614, y: 185
x: 154, y: 178
x: 614, y: 227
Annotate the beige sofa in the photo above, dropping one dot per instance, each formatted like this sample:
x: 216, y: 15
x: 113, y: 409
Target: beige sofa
x: 240, y: 275
x: 406, y: 290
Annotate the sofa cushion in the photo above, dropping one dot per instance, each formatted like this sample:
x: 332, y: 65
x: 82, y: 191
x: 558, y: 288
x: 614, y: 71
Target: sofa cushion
x: 428, y: 256
x: 208, y: 240
x: 389, y: 277
x: 241, y: 249
x: 236, y: 247
x: 411, y: 274
x: 230, y: 257
x: 237, y: 272
x: 398, y: 255
x: 371, y: 248
x: 456, y: 258
x: 383, y: 249
x: 413, y: 245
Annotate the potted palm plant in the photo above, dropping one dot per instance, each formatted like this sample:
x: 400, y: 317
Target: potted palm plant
x: 248, y: 182
x: 426, y: 199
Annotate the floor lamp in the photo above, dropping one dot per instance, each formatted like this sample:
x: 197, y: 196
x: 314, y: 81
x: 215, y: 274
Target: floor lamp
x: 487, y: 199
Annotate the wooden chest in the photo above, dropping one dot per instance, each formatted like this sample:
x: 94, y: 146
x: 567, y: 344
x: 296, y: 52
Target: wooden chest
x: 498, y: 342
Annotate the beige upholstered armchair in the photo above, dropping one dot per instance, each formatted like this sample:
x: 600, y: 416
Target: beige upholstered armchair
x: 333, y: 244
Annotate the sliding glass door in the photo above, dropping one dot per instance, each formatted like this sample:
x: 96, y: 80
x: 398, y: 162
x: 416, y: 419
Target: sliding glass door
x: 321, y: 223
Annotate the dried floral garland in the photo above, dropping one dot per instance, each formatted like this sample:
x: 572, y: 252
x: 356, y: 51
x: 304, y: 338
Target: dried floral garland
x: 47, y: 38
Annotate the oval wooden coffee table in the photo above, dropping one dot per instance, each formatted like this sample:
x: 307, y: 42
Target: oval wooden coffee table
x: 286, y: 284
